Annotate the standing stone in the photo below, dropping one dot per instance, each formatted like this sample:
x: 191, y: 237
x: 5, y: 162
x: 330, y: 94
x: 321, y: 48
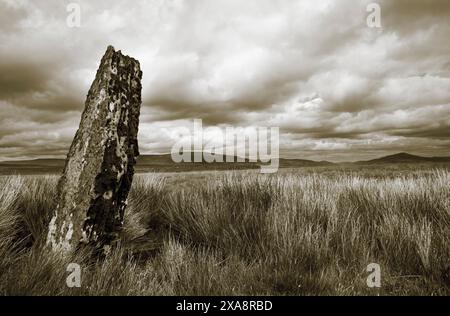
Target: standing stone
x: 92, y: 192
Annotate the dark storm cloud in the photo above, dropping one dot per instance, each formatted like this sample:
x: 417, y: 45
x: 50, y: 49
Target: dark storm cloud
x: 403, y: 15
x: 17, y: 78
x: 335, y: 87
x: 442, y: 131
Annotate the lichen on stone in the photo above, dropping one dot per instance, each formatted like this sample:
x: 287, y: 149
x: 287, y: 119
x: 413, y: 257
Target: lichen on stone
x: 99, y: 168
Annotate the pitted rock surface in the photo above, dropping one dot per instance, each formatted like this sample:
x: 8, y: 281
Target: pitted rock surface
x: 92, y: 192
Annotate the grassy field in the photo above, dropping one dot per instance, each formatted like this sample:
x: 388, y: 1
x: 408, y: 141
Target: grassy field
x: 299, y: 232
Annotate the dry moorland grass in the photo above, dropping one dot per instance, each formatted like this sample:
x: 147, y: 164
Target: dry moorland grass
x: 244, y: 234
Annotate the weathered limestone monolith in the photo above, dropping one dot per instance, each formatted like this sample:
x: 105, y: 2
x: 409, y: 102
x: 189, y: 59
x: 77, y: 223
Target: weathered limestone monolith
x: 92, y: 192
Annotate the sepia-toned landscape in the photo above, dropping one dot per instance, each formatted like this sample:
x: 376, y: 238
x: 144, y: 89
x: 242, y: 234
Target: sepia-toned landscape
x: 302, y: 231
x: 229, y: 149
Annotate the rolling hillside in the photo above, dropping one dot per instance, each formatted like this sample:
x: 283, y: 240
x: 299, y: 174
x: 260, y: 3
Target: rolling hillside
x: 405, y: 158
x: 164, y: 163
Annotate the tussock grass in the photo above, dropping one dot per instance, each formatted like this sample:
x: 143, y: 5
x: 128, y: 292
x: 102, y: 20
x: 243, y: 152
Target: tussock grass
x: 241, y: 233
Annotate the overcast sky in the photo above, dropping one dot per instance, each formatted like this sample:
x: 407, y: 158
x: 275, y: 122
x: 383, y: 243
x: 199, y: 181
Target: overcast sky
x: 337, y: 89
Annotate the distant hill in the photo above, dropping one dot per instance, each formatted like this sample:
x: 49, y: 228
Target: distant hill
x: 151, y: 163
x: 164, y: 163
x: 35, y: 166
x: 298, y: 163
x: 405, y: 158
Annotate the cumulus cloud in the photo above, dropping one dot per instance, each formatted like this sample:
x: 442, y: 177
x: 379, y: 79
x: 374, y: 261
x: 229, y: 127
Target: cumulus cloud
x: 337, y: 89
